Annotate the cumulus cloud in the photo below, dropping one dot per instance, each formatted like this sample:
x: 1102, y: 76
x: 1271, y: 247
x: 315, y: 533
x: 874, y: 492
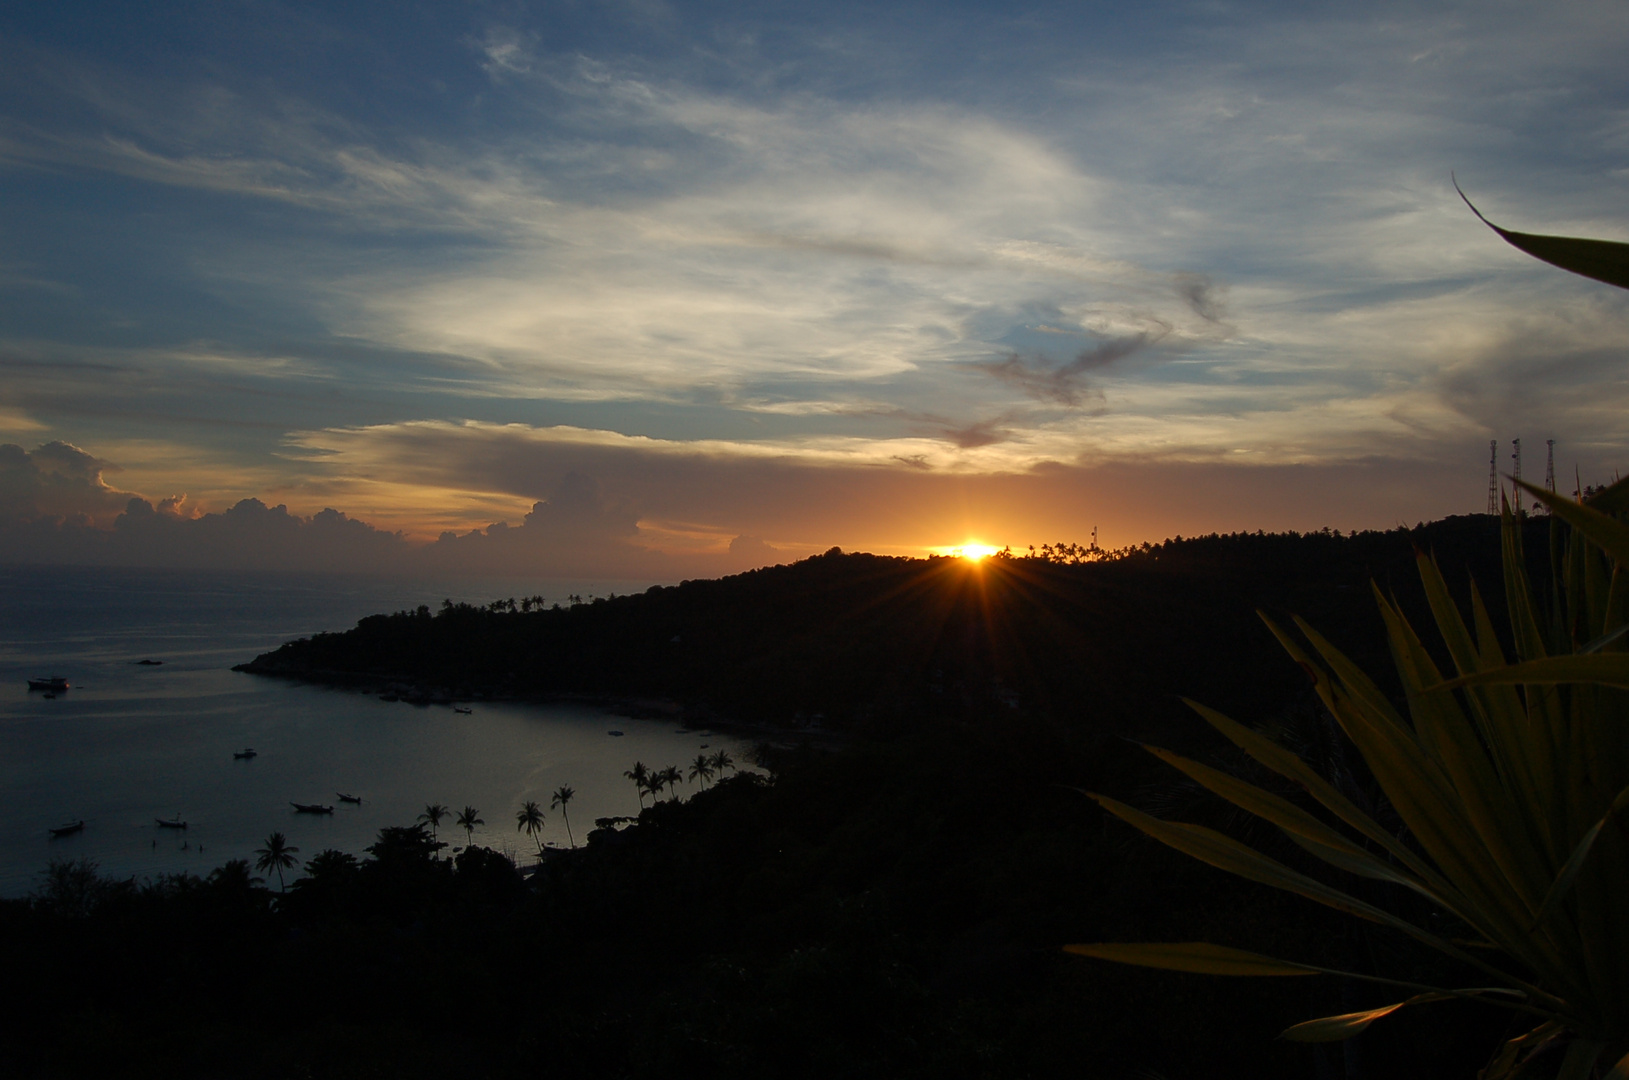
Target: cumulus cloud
x: 55, y: 481
x: 750, y: 553
x: 575, y: 529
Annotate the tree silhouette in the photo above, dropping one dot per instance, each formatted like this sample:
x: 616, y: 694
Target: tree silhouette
x: 673, y: 776
x: 640, y: 776
x: 562, y: 796
x: 468, y: 818
x: 721, y: 761
x: 530, y: 818
x: 276, y: 855
x: 329, y: 865
x: 434, y: 814
x: 702, y: 769
x: 655, y: 781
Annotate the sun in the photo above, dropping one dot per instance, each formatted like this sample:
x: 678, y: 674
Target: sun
x: 972, y: 552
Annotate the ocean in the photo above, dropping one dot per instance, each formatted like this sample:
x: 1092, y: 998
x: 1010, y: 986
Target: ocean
x: 132, y: 743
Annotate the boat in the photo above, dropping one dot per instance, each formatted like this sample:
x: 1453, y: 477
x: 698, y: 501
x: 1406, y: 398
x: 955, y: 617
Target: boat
x: 68, y: 830
x: 616, y: 734
x: 246, y: 752
x: 171, y: 823
x: 54, y: 683
x: 461, y: 709
x: 311, y: 808
x: 357, y: 799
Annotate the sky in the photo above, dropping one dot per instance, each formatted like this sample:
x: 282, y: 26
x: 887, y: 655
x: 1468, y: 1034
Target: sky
x: 669, y: 290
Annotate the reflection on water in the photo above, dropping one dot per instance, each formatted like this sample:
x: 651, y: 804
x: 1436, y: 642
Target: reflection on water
x: 130, y: 743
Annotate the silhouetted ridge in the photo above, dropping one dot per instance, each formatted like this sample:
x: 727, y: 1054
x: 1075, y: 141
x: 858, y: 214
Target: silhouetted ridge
x: 848, y: 639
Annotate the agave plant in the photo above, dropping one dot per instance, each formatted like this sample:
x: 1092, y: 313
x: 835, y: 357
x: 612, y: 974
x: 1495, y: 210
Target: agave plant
x: 1511, y: 780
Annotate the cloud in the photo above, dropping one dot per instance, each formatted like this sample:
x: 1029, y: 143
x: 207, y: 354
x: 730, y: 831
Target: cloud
x: 574, y: 530
x: 750, y: 553
x: 1065, y: 383
x: 727, y: 254
x: 53, y: 482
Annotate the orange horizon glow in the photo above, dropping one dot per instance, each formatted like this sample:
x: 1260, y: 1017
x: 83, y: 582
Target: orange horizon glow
x: 972, y: 551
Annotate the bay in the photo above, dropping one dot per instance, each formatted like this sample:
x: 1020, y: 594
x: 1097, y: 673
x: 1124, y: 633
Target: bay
x: 131, y: 743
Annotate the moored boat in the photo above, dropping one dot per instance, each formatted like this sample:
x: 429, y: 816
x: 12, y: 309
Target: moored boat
x: 69, y: 829
x: 357, y: 799
x: 245, y: 753
x: 171, y: 823
x: 311, y: 808
x: 54, y: 683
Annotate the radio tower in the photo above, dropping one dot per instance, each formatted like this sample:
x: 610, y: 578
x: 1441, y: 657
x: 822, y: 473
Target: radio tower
x: 1549, y: 464
x: 1493, y: 477
x: 1516, y: 488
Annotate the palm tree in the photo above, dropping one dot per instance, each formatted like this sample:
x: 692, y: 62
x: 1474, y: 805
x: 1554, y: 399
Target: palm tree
x: 655, y: 781
x: 530, y: 818
x: 561, y: 797
x: 721, y: 761
x: 467, y: 820
x: 639, y: 775
x: 702, y: 769
x: 434, y: 813
x: 673, y: 776
x: 276, y: 855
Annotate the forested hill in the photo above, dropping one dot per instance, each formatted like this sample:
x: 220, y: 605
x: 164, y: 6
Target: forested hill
x: 855, y: 640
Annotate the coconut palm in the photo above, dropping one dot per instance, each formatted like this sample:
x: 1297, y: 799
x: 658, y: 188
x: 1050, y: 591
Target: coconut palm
x: 434, y: 814
x: 721, y: 761
x: 673, y: 776
x: 276, y: 855
x: 530, y: 818
x: 639, y: 774
x: 563, y: 795
x: 468, y: 818
x: 655, y: 781
x: 702, y: 769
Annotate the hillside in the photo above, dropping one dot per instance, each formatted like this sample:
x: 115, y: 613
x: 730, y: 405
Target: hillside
x: 854, y: 641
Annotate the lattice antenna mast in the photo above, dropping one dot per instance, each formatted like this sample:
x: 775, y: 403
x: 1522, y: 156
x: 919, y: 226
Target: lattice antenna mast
x: 1516, y: 488
x: 1493, y: 477
x: 1549, y: 465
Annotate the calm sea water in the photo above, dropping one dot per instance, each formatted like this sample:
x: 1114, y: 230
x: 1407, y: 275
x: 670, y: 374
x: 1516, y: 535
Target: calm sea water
x: 132, y: 743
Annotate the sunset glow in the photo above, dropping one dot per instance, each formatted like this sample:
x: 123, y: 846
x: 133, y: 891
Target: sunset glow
x: 971, y: 552
x: 860, y: 280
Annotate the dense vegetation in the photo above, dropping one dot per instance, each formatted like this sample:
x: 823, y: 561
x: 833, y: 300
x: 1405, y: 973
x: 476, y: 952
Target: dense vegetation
x: 861, y: 641
x: 891, y: 908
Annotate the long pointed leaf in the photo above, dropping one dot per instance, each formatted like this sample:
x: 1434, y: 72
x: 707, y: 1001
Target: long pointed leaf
x: 1575, y: 863
x: 1605, y: 669
x: 1606, y: 533
x: 1604, y: 260
x: 1286, y: 764
x: 1346, y: 1025
x: 1197, y: 957
x: 1225, y: 853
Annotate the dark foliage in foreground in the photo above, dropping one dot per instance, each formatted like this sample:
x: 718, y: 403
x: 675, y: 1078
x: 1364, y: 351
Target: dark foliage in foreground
x: 893, y: 910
